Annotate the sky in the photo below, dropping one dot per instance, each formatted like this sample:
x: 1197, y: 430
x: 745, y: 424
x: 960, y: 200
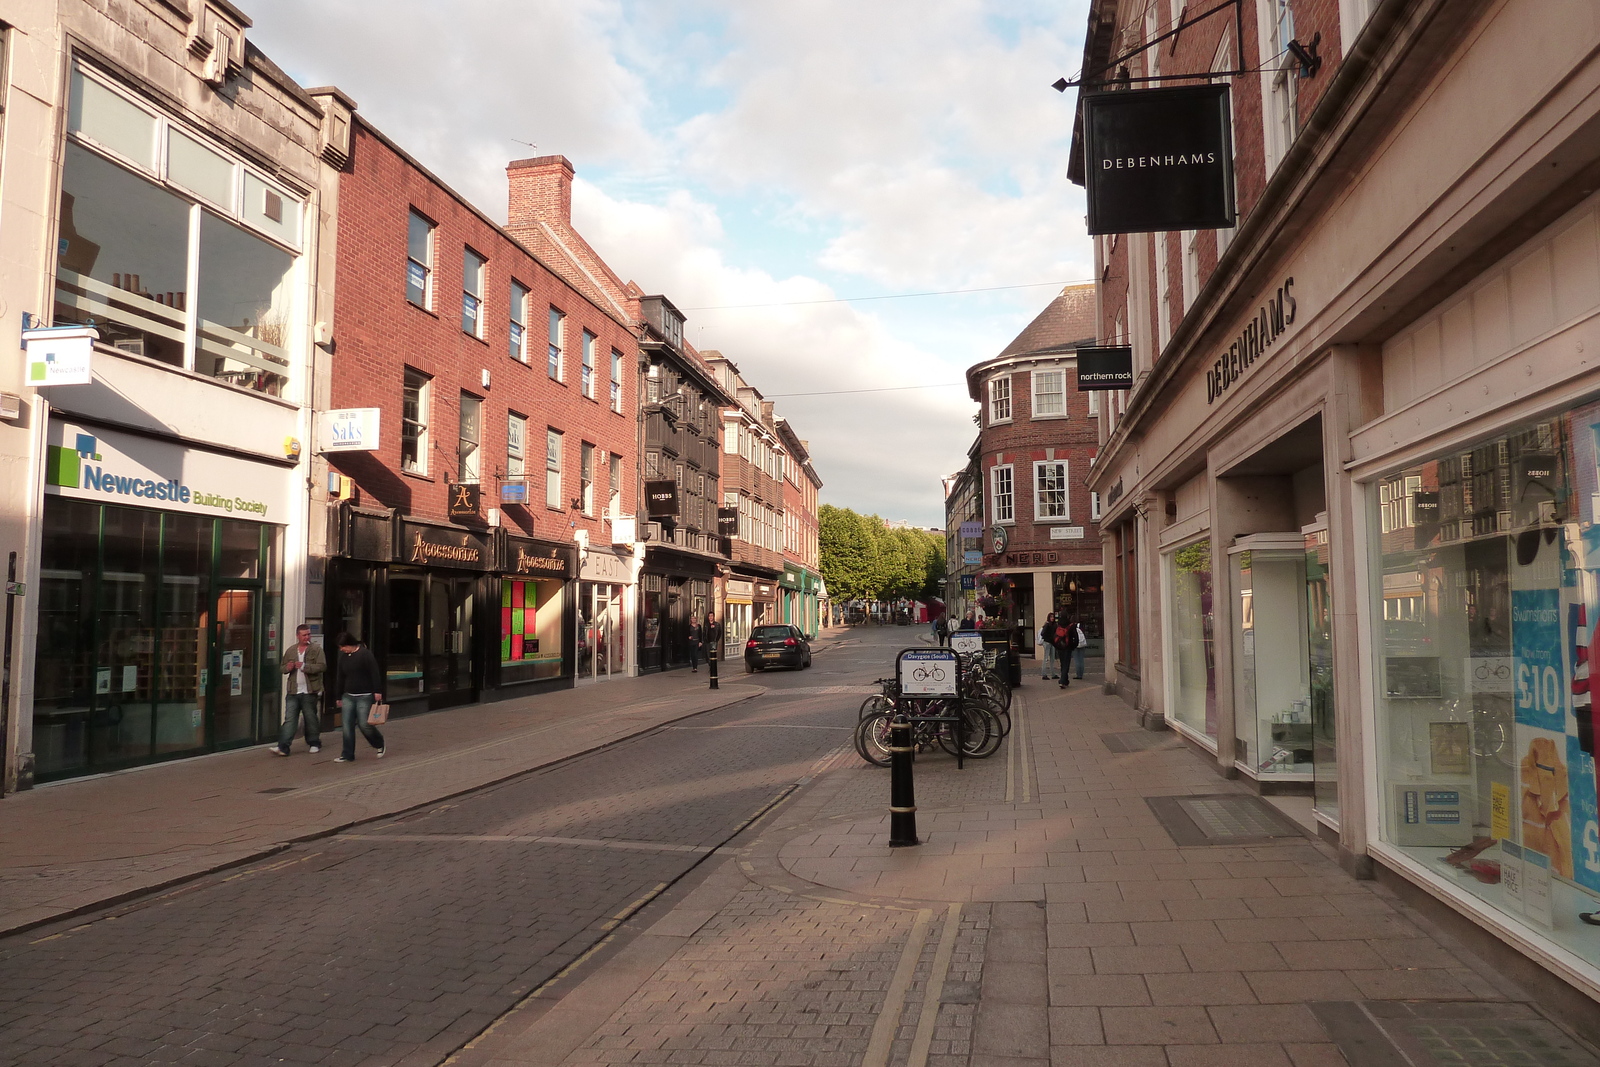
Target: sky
x: 787, y: 173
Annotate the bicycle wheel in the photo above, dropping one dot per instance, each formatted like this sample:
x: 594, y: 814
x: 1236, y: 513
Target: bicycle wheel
x: 873, y: 705
x: 872, y: 739
x: 982, y: 732
x: 996, y: 702
x: 1001, y: 686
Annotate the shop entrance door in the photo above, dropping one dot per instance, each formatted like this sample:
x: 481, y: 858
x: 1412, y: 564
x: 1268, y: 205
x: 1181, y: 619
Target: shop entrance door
x: 1319, y: 646
x: 449, y: 671
x: 235, y: 689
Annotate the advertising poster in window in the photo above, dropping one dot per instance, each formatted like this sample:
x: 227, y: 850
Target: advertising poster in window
x: 1581, y: 596
x: 1541, y: 698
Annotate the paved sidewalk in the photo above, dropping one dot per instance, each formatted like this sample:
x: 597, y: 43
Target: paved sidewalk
x: 74, y: 845
x: 1047, y: 919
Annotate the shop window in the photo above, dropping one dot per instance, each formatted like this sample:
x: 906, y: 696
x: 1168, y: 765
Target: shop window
x: 472, y: 272
x: 1001, y: 495
x: 415, y: 394
x: 1050, y: 490
x: 586, y: 477
x: 516, y: 446
x: 616, y: 382
x: 552, y: 470
x: 111, y: 121
x: 239, y: 554
x: 519, y: 321
x: 1277, y: 25
x: 419, y: 260
x: 1000, y: 400
x: 587, y: 375
x: 1193, y: 697
x: 530, y: 629
x: 244, y: 305
x: 614, y: 507
x: 469, y: 446
x: 200, y: 170
x: 555, y: 359
x: 1485, y: 650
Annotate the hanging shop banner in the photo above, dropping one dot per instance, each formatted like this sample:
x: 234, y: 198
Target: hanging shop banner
x: 1105, y: 368
x: 351, y: 430
x: 661, y: 499
x: 1158, y: 160
x: 464, y: 500
x: 971, y: 529
x: 728, y: 522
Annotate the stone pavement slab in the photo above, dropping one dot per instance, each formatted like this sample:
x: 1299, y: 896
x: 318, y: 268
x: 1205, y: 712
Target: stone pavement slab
x: 1080, y: 932
x: 75, y: 845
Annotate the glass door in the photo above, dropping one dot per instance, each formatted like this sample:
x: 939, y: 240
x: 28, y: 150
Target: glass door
x: 449, y: 644
x: 235, y: 681
x: 1319, y: 634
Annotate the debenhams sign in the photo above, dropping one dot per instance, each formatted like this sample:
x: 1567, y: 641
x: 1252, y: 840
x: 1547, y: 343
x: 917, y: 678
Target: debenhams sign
x: 1272, y: 321
x: 1158, y: 160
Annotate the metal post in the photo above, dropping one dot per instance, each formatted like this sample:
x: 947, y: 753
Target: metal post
x: 712, y: 653
x: 5, y: 675
x: 902, y: 795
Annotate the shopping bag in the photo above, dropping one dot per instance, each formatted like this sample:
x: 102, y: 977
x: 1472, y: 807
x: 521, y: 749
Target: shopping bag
x: 377, y: 715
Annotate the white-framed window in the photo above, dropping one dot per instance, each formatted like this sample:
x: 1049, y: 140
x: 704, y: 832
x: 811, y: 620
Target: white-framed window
x: 472, y: 272
x: 730, y: 441
x: 1049, y: 393
x: 516, y: 445
x: 586, y: 380
x: 419, y: 259
x: 1050, y: 490
x: 1222, y: 59
x: 614, y: 507
x: 519, y: 321
x: 1191, y: 266
x: 616, y: 381
x: 1094, y: 403
x: 1094, y: 507
x: 1275, y: 21
x: 1163, y: 292
x: 1002, y: 494
x: 469, y: 447
x: 1000, y: 399
x: 414, y: 397
x: 586, y: 477
x: 555, y: 361
x: 552, y: 469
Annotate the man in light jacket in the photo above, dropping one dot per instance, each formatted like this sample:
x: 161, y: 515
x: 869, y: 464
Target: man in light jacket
x: 303, y: 666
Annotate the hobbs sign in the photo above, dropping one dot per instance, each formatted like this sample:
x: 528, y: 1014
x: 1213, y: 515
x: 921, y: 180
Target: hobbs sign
x: 1158, y: 159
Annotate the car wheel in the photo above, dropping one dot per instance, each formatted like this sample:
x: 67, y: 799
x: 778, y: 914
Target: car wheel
x: 749, y: 668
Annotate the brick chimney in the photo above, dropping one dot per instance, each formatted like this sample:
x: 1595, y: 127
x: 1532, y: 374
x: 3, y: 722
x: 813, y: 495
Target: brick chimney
x: 540, y: 190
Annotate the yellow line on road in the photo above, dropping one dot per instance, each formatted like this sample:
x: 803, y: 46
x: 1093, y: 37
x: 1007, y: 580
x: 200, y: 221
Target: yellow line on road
x: 935, y: 990
x: 883, y: 1031
x: 1022, y: 729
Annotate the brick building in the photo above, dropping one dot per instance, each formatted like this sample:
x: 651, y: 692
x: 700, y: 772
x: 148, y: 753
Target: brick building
x: 803, y: 595
x: 753, y: 458
x: 1351, y: 497
x: 471, y: 541
x: 1037, y: 440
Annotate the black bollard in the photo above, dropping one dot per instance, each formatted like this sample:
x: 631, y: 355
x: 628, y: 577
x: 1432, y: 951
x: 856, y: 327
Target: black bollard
x: 902, y: 794
x: 711, y: 665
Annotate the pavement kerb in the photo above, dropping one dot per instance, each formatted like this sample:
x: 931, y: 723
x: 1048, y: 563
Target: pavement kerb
x: 160, y: 886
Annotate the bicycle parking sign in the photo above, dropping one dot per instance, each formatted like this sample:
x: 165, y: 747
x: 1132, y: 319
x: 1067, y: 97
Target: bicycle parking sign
x: 927, y: 672
x: 966, y: 641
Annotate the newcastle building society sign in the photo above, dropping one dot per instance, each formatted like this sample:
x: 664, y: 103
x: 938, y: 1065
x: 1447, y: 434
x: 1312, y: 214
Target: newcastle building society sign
x: 1158, y: 159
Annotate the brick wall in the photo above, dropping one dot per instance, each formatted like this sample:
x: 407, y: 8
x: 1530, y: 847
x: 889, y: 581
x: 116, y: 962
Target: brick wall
x: 378, y: 333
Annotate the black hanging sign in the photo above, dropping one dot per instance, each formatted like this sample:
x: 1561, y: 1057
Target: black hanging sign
x: 661, y: 499
x: 1105, y: 367
x: 1159, y: 160
x: 464, y: 500
x: 727, y: 521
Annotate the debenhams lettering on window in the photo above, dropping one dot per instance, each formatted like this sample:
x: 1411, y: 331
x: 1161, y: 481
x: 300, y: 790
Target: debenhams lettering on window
x: 1135, y: 162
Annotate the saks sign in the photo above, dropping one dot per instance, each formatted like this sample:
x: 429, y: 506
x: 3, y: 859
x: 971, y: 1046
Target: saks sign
x: 350, y: 430
x: 89, y: 464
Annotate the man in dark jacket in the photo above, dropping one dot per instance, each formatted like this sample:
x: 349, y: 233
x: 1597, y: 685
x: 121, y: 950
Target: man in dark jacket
x: 1066, y: 639
x: 303, y: 666
x: 360, y: 686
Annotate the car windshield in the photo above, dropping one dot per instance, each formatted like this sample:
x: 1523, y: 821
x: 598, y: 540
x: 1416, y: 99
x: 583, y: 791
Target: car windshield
x: 768, y: 633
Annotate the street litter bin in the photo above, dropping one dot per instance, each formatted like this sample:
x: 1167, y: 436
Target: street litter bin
x: 1003, y: 645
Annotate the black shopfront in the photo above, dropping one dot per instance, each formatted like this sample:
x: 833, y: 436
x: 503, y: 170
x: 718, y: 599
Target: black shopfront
x: 674, y: 593
x: 453, y: 615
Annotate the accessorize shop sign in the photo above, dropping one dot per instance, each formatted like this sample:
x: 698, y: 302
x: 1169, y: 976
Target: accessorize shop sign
x: 1272, y: 320
x: 114, y: 468
x: 434, y: 546
x: 1157, y: 160
x: 538, y: 558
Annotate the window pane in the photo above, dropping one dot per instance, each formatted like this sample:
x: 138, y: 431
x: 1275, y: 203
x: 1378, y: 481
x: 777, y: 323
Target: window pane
x: 270, y: 210
x: 199, y: 169
x: 244, y: 307
x: 110, y: 120
x: 1194, y: 686
x: 552, y: 466
x: 419, y: 258
x: 63, y: 669
x: 185, y: 605
x: 126, y: 635
x: 124, y: 257
x: 414, y: 423
x: 516, y: 446
x: 470, y: 438
x: 240, y: 556
x: 553, y: 363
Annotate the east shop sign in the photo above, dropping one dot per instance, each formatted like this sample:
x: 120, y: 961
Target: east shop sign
x: 1159, y: 160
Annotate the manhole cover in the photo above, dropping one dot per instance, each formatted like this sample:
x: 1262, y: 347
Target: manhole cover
x: 279, y: 789
x: 1221, y: 819
x: 1424, y: 1034
x: 1139, y: 740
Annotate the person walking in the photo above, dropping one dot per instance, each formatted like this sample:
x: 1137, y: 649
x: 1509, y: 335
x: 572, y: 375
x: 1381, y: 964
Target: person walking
x: 1080, y: 650
x: 969, y: 621
x: 1052, y: 662
x: 1066, y: 639
x: 360, y: 686
x: 303, y: 664
x: 941, y: 630
x: 696, y: 635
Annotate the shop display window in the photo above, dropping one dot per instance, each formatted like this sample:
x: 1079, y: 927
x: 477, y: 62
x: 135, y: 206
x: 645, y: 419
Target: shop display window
x: 1486, y: 610
x: 530, y: 629
x: 1271, y: 664
x: 1192, y: 699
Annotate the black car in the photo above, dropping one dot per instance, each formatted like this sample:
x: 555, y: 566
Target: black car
x: 776, y: 646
